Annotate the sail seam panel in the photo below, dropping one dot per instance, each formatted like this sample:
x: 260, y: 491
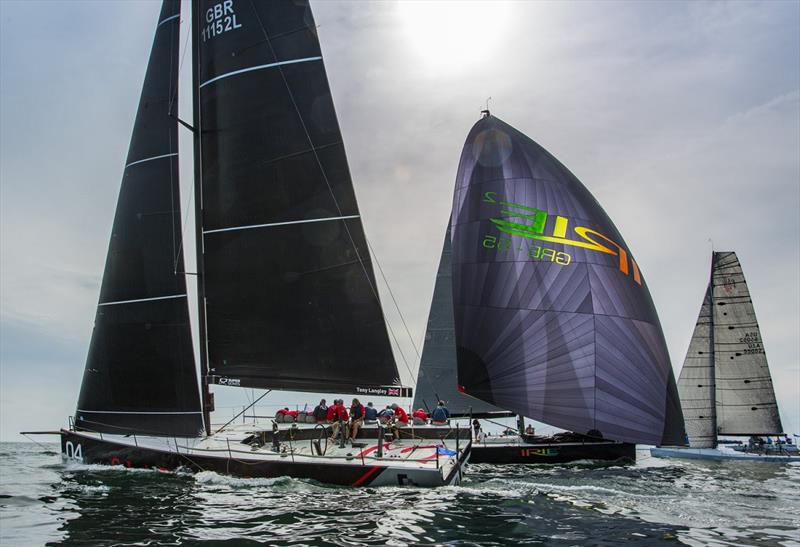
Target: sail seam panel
x: 259, y: 67
x: 141, y: 300
x: 252, y: 226
x: 168, y: 19
x: 151, y: 158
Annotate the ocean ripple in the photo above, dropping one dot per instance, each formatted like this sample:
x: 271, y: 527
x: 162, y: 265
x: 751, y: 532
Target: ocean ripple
x: 43, y: 501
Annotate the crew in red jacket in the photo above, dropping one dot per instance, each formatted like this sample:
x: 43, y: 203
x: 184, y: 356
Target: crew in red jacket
x: 400, y: 414
x: 333, y: 411
x: 341, y: 417
x: 420, y: 417
x: 400, y: 420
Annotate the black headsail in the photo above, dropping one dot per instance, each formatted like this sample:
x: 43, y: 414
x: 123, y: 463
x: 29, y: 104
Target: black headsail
x: 438, y: 376
x: 290, y: 296
x: 553, y: 317
x: 140, y: 373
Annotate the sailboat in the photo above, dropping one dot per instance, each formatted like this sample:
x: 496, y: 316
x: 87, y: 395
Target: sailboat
x: 725, y: 385
x: 541, y: 311
x: 287, y: 298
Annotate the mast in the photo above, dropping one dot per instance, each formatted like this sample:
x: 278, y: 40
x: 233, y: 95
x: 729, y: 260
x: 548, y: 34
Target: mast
x: 713, y: 369
x: 208, y: 404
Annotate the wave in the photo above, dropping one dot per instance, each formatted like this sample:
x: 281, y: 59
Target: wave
x: 214, y: 478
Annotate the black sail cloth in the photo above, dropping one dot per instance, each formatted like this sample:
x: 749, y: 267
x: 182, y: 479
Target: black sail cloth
x: 553, y: 317
x: 438, y: 376
x: 140, y: 372
x: 290, y: 295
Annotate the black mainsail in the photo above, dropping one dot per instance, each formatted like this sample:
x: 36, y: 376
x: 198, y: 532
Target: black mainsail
x: 438, y: 377
x: 553, y: 317
x: 288, y: 295
x: 725, y: 385
x: 140, y: 372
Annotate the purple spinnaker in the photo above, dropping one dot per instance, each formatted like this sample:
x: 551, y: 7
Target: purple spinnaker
x: 553, y: 317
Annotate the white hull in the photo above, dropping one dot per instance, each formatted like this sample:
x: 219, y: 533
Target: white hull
x: 720, y: 454
x: 413, y: 461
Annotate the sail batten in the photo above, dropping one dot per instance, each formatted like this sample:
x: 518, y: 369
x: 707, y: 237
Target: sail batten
x: 553, y: 319
x: 258, y: 67
x: 140, y: 372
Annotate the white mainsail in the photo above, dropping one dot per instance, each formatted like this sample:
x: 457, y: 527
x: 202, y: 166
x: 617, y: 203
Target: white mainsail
x: 725, y: 385
x: 746, y: 402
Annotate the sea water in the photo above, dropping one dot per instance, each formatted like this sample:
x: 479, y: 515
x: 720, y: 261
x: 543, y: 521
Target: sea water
x: 670, y: 502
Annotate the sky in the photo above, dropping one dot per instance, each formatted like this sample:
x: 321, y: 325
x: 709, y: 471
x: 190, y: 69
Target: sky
x: 682, y: 118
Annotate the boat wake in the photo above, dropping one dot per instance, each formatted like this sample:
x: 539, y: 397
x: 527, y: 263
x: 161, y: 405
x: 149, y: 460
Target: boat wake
x: 215, y: 479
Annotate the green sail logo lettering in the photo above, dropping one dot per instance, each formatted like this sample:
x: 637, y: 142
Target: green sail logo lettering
x: 531, y: 223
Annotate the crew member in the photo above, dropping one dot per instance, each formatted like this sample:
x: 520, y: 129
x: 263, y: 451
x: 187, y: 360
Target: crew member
x: 400, y: 414
x: 420, y: 417
x: 357, y: 412
x: 400, y: 420
x: 386, y: 415
x: 370, y: 414
x: 333, y: 411
x: 321, y: 412
x: 340, y: 418
x: 440, y: 414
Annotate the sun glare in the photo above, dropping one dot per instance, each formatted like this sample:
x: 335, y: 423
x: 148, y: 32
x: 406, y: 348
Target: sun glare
x: 453, y: 35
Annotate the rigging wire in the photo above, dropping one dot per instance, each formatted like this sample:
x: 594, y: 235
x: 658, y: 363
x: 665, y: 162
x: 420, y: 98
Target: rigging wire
x: 330, y: 189
x: 177, y: 252
x: 180, y: 65
x: 414, y: 378
x: 173, y: 95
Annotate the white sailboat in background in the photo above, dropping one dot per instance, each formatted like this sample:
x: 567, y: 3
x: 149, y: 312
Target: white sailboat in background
x: 725, y: 385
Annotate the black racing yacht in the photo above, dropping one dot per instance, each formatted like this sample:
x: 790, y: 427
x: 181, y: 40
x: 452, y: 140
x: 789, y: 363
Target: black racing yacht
x: 287, y: 294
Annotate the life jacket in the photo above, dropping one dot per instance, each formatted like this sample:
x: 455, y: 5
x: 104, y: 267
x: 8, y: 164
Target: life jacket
x: 401, y: 414
x: 292, y: 413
